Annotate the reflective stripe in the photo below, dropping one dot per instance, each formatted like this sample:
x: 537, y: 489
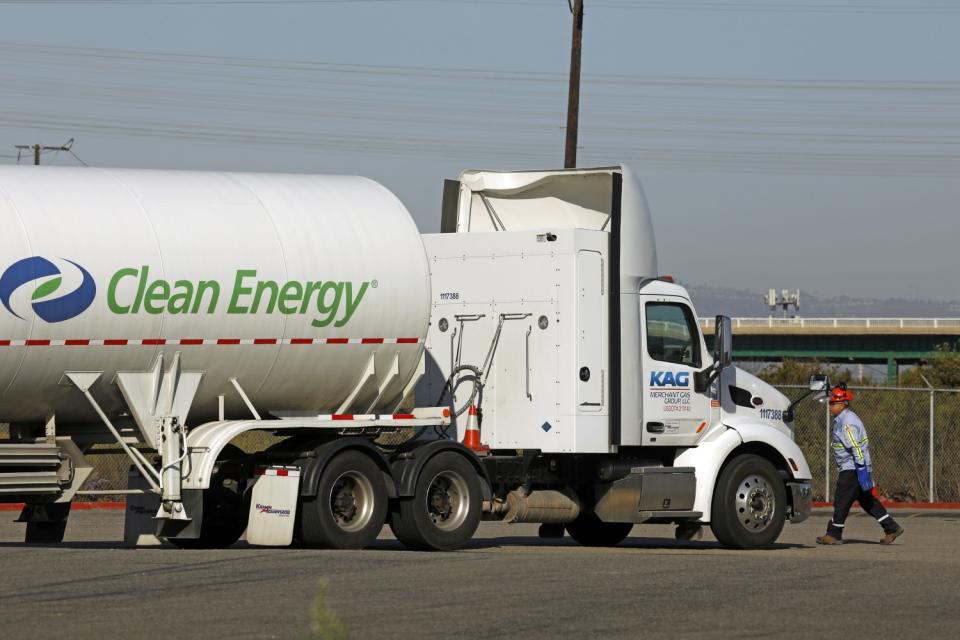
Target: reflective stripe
x: 839, y: 526
x: 883, y: 518
x: 853, y: 441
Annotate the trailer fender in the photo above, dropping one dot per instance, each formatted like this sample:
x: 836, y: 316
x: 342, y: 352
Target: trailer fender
x: 709, y: 457
x: 311, y: 468
x: 407, y: 466
x: 205, y: 443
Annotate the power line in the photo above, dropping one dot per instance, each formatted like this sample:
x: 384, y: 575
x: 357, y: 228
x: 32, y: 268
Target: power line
x: 468, y: 74
x: 77, y: 158
x: 688, y: 6
x: 810, y: 126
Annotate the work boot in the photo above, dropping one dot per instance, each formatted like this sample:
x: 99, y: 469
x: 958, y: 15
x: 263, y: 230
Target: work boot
x: 829, y: 539
x: 888, y: 538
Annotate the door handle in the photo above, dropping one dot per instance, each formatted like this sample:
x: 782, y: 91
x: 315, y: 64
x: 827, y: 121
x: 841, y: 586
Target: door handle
x: 529, y: 330
x: 655, y: 427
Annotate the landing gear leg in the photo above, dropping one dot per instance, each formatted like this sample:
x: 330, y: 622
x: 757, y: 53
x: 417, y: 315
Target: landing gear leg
x: 46, y: 522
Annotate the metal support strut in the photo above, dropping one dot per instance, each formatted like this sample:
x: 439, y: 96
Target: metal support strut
x: 488, y: 361
x: 246, y: 400
x: 83, y: 381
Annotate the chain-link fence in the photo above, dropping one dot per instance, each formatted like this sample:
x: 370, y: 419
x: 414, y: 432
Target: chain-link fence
x: 914, y: 441
x: 111, y: 465
x: 914, y: 444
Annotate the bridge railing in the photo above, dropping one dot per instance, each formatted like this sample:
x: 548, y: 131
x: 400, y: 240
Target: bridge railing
x: 839, y: 323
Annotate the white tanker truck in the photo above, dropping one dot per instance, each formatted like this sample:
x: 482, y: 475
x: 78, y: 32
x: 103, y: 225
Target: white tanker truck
x: 170, y: 312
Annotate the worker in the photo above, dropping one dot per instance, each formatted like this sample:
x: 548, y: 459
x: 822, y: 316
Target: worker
x: 851, y: 449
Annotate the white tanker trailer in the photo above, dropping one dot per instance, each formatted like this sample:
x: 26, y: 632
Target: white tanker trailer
x: 174, y: 311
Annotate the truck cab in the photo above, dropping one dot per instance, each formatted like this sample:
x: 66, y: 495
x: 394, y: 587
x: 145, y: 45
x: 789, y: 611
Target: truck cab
x: 550, y: 315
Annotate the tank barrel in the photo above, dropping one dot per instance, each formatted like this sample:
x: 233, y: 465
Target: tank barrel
x: 297, y: 285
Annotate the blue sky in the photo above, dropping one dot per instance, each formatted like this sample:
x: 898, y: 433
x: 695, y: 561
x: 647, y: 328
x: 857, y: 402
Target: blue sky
x: 782, y: 143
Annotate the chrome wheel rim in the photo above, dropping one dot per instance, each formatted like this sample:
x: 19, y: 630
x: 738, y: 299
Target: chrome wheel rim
x: 755, y: 503
x: 351, y: 501
x: 448, y: 500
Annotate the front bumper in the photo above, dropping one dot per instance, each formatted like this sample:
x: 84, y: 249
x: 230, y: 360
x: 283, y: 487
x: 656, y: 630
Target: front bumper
x: 801, y: 501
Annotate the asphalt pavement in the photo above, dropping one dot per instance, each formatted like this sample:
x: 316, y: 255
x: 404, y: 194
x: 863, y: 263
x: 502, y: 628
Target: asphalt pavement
x: 507, y: 584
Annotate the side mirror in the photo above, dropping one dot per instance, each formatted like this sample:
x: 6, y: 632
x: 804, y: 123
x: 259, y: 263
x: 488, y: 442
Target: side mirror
x: 722, y: 355
x: 819, y: 382
x: 819, y: 385
x: 723, y: 343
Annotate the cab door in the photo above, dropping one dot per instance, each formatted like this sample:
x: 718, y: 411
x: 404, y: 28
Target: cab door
x: 674, y: 414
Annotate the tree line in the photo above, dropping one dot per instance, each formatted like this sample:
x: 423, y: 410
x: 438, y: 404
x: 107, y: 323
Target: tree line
x: 941, y: 371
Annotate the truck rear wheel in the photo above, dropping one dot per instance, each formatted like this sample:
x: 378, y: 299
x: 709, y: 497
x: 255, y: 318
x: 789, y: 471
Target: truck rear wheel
x: 445, y: 510
x: 589, y: 531
x: 224, y: 511
x: 350, y: 506
x: 749, y: 503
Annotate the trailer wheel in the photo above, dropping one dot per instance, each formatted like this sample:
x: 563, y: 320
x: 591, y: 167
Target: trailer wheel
x: 589, y: 531
x: 749, y: 503
x: 224, y: 511
x: 350, y: 506
x: 445, y: 510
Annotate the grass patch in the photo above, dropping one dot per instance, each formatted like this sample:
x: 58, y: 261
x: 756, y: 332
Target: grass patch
x: 325, y: 624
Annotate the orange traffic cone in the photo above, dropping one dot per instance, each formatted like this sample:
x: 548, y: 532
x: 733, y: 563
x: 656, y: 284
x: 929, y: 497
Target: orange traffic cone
x: 471, y: 436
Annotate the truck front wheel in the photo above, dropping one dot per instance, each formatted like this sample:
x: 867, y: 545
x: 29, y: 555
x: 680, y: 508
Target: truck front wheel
x: 749, y: 503
x: 445, y: 510
x: 589, y: 531
x: 350, y: 506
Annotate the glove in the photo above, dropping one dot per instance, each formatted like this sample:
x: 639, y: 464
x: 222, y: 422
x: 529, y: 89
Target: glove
x: 864, y: 479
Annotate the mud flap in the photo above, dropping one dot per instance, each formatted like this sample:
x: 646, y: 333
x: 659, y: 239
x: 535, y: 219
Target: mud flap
x: 801, y: 501
x: 273, y: 506
x: 139, y: 526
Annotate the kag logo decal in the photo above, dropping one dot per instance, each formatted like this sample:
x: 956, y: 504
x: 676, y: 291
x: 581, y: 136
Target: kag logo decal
x: 58, y: 309
x: 680, y: 379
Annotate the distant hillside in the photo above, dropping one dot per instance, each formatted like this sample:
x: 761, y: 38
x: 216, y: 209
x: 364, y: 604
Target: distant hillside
x: 711, y: 301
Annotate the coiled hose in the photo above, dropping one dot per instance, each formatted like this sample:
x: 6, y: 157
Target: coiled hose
x: 450, y: 387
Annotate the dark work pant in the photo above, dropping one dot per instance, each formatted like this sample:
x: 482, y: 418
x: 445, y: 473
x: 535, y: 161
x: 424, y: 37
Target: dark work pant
x: 848, y: 492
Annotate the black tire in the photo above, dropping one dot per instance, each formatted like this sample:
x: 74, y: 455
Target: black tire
x: 444, y: 512
x: 589, y: 531
x: 225, y: 512
x: 350, y: 506
x: 749, y: 503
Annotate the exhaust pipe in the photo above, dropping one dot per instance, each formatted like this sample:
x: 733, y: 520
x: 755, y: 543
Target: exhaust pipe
x: 543, y: 506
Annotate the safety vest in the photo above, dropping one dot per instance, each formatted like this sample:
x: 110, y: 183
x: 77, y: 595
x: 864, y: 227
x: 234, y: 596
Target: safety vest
x: 851, y: 447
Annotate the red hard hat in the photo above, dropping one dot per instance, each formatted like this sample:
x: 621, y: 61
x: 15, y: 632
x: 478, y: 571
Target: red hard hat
x: 840, y: 393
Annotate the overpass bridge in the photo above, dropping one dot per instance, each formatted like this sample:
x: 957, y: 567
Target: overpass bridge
x: 893, y: 341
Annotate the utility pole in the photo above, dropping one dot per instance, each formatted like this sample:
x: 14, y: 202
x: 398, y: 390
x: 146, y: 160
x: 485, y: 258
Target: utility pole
x: 573, y: 103
x: 39, y: 148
